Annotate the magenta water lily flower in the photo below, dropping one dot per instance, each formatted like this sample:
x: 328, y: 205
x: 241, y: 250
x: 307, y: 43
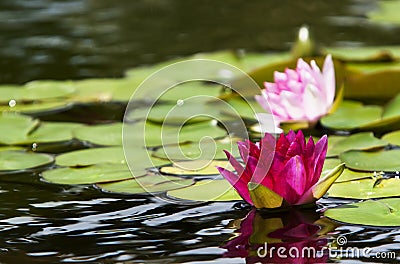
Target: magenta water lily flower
x: 303, y: 94
x: 281, y: 173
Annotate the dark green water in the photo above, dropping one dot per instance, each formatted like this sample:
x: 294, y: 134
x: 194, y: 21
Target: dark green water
x: 41, y: 39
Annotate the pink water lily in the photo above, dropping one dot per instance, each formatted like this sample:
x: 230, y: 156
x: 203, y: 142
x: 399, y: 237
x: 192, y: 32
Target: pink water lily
x: 282, y: 172
x: 303, y: 94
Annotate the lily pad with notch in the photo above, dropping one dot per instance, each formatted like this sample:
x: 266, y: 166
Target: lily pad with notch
x: 365, y: 188
x: 382, y: 212
x: 388, y: 160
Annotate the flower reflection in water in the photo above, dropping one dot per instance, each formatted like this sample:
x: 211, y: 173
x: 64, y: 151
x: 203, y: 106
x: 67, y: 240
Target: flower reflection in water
x: 288, y: 237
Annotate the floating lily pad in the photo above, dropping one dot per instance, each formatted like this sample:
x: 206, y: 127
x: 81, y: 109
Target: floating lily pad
x: 191, y: 89
x: 36, y: 91
x: 350, y: 175
x: 365, y: 188
x: 47, y: 89
x: 196, y: 167
x: 87, y: 157
x: 15, y: 128
x: 392, y: 109
x: 372, y: 161
x: 105, y: 90
x: 155, y: 135
x: 363, y: 54
x: 372, y: 67
x: 352, y: 115
x: 243, y: 108
x: 52, y: 132
x: 146, y: 184
x: 13, y: 160
x: 207, y: 149
x: 207, y: 191
x: 382, y: 212
x: 37, y: 108
x: 91, y: 156
x: 359, y: 141
x: 105, y: 135
x: 10, y: 92
x: 393, y: 138
x: 387, y: 12
x: 196, y: 109
x: 380, y: 85
x: 88, y: 175
x: 330, y: 164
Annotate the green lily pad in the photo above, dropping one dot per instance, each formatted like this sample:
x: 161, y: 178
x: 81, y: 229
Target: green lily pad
x: 252, y: 61
x: 365, y: 188
x: 105, y: 90
x: 350, y: 175
x: 196, y: 109
x: 13, y: 160
x: 146, y: 184
x: 88, y: 175
x: 86, y: 157
x: 372, y: 67
x: 9, y: 93
x: 392, y: 137
x: 243, y: 108
x: 351, y: 115
x: 190, y: 89
x: 105, y: 135
x: 372, y: 161
x: 207, y: 149
x: 380, y: 85
x: 359, y: 141
x: 196, y: 167
x: 36, y: 91
x: 155, y: 135
x: 15, y: 128
x: 52, y: 132
x: 207, y: 191
x: 47, y: 89
x: 363, y: 54
x: 330, y: 164
x: 382, y: 212
x: 37, y: 108
x: 387, y: 13
x: 392, y: 109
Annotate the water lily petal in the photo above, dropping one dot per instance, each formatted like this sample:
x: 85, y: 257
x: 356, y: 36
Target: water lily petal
x: 308, y: 160
x: 297, y: 146
x: 314, y: 106
x: 238, y: 167
x: 319, y: 157
x: 321, y: 187
x: 239, y: 184
x: 295, y: 176
x: 329, y: 77
x: 291, y: 136
x: 282, y: 145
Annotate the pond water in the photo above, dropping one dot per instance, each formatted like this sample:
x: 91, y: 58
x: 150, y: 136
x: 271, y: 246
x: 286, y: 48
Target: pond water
x: 44, y: 39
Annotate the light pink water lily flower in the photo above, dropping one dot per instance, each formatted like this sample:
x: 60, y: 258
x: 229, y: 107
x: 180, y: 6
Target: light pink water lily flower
x: 303, y: 94
x: 281, y: 173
